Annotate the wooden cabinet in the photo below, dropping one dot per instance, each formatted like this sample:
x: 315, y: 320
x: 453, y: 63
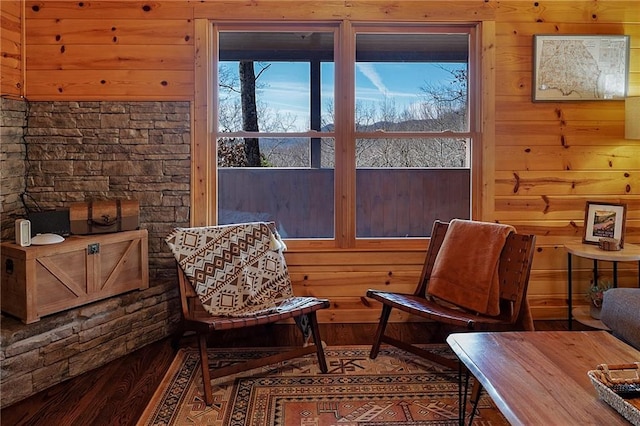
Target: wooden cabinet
x: 42, y: 280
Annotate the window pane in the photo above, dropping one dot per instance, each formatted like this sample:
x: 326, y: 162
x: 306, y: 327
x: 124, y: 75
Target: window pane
x: 277, y: 82
x: 411, y: 82
x: 285, y: 189
x: 284, y: 79
x: 403, y: 185
x: 405, y: 202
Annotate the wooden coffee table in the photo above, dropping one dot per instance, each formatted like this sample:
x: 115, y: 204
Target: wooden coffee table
x: 540, y: 377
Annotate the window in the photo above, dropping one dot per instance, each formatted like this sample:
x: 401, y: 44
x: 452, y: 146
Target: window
x: 275, y: 140
x: 412, y: 137
x: 343, y: 132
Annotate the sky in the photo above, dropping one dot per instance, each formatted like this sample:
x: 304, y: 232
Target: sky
x: 285, y: 85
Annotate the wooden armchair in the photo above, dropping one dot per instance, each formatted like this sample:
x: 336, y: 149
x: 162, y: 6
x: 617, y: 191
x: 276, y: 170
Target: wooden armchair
x: 195, y: 318
x: 513, y: 269
x: 235, y: 276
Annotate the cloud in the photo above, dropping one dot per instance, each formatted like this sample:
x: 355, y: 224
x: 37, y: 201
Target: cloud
x: 369, y: 71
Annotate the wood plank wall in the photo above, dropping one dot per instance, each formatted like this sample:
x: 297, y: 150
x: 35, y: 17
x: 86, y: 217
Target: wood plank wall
x: 550, y: 158
x: 11, y: 82
x: 553, y: 157
x: 111, y: 50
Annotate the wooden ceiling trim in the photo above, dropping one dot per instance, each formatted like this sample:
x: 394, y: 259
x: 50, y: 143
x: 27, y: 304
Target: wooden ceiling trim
x: 425, y: 10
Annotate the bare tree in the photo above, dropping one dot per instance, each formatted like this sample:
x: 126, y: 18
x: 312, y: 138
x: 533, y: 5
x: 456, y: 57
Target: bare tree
x: 249, y: 111
x: 447, y: 102
x: 231, y: 153
x: 240, y: 109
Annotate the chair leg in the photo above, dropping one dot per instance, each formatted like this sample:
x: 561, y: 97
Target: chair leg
x: 475, y: 392
x: 474, y: 399
x: 176, y: 337
x: 384, y: 317
x: 204, y: 363
x: 315, y: 332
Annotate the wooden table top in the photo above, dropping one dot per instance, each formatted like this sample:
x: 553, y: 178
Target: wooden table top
x: 540, y: 377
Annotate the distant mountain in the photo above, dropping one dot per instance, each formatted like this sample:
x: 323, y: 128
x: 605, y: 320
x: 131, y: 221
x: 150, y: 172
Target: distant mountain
x: 403, y: 126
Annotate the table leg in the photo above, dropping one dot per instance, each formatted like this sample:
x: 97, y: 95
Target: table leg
x: 462, y: 396
x: 461, y: 400
x: 569, y: 289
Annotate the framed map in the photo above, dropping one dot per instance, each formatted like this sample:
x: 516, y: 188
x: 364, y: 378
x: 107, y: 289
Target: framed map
x: 580, y: 67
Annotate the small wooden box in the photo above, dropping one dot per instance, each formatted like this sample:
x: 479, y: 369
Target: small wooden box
x: 103, y: 217
x: 45, y: 279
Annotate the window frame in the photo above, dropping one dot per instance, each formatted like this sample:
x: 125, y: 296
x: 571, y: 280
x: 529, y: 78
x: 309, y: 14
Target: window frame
x: 204, y: 161
x: 472, y: 133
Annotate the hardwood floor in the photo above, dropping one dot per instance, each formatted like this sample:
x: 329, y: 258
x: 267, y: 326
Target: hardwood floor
x: 117, y: 393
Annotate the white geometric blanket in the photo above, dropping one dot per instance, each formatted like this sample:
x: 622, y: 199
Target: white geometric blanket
x: 236, y: 270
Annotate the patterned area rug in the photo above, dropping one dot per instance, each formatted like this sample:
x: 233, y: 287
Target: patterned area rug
x: 394, y: 389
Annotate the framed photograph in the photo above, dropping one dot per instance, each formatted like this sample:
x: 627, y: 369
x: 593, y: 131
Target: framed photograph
x: 604, y: 220
x: 580, y: 67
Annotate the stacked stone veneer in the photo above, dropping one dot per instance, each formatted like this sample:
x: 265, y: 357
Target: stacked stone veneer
x: 63, y: 152
x: 13, y: 120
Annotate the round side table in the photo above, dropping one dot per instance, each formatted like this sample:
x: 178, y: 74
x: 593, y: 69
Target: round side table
x: 630, y: 253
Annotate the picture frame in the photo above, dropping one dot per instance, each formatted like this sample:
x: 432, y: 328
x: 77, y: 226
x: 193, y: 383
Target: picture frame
x: 580, y: 67
x: 604, y: 220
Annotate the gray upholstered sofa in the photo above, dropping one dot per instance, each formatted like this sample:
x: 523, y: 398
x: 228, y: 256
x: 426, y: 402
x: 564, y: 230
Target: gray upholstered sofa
x: 621, y: 313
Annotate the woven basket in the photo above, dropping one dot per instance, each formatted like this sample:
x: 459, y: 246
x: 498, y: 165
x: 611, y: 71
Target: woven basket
x: 628, y: 410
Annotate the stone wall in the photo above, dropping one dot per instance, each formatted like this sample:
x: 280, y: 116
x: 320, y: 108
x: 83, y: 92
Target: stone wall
x: 13, y: 121
x: 80, y: 151
x: 60, y: 346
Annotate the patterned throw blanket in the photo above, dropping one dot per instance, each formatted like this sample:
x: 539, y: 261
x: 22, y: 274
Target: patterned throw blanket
x: 236, y: 270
